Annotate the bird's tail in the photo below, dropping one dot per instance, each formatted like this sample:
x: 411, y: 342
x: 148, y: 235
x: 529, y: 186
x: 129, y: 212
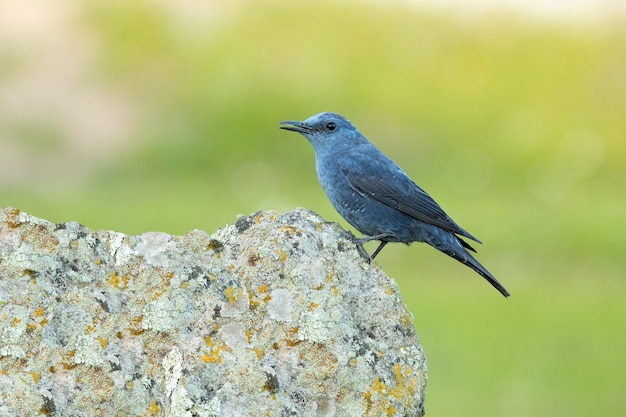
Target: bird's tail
x: 459, y: 253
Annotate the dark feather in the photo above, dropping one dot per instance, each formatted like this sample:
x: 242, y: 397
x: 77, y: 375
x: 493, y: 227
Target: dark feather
x: 397, y: 190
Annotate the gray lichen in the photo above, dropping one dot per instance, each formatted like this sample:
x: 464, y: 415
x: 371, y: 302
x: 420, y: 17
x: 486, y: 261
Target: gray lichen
x: 275, y: 315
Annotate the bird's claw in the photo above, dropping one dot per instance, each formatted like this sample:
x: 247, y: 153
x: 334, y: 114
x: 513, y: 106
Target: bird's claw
x: 360, y: 241
x: 359, y: 246
x: 362, y: 251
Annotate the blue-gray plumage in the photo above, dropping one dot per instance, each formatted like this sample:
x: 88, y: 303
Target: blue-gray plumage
x: 376, y: 196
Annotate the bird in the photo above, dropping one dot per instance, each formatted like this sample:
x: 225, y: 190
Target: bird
x: 374, y: 195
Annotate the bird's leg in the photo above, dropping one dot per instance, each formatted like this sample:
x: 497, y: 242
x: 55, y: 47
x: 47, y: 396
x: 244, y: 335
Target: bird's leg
x: 360, y: 241
x: 362, y: 251
x: 359, y: 246
x: 381, y: 237
x: 379, y: 248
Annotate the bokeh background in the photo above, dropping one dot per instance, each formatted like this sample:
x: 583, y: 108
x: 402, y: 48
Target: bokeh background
x: 162, y: 115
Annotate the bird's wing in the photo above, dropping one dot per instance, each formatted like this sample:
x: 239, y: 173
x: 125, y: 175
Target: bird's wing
x: 384, y: 181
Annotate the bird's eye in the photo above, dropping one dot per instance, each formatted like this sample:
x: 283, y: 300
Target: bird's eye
x: 331, y: 126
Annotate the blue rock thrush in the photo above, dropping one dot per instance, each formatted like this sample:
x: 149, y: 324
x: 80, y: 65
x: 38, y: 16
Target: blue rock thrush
x: 376, y: 196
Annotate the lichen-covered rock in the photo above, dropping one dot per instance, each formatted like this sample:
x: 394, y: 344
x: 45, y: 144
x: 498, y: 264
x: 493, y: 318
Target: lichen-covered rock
x: 276, y: 315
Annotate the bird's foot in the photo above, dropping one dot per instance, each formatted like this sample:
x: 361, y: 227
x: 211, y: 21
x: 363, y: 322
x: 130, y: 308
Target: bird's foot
x: 359, y: 246
x: 360, y: 241
x: 379, y: 248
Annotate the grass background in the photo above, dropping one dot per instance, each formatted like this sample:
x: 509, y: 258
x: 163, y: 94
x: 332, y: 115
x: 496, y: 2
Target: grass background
x: 516, y: 127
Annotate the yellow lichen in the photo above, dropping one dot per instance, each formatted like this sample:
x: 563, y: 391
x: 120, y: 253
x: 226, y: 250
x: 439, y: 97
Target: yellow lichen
x: 135, y: 328
x: 36, y: 376
x: 406, y: 383
x: 231, y: 294
x: 292, y: 339
x: 252, y: 301
x: 214, y: 244
x: 68, y: 361
x: 290, y: 230
x: 259, y: 352
x: 376, y: 398
x: 378, y: 386
x: 30, y: 272
x: 153, y: 409
x: 115, y: 280
x: 103, y: 342
x: 209, y: 341
x: 165, y: 276
x: 11, y: 216
x: 382, y: 399
x: 214, y: 356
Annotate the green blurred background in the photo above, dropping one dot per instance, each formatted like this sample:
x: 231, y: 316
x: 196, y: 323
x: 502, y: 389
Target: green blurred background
x: 139, y: 116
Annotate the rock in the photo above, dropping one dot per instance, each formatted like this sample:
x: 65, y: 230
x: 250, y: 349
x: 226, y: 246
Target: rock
x: 276, y: 315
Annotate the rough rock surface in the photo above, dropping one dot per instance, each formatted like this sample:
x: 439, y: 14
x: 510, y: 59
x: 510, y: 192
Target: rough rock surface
x: 276, y: 315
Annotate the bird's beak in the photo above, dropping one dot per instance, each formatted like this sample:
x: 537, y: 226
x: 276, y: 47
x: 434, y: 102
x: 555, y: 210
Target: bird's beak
x: 295, y: 126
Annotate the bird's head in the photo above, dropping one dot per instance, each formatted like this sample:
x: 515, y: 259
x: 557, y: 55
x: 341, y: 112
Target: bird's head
x: 324, y: 130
